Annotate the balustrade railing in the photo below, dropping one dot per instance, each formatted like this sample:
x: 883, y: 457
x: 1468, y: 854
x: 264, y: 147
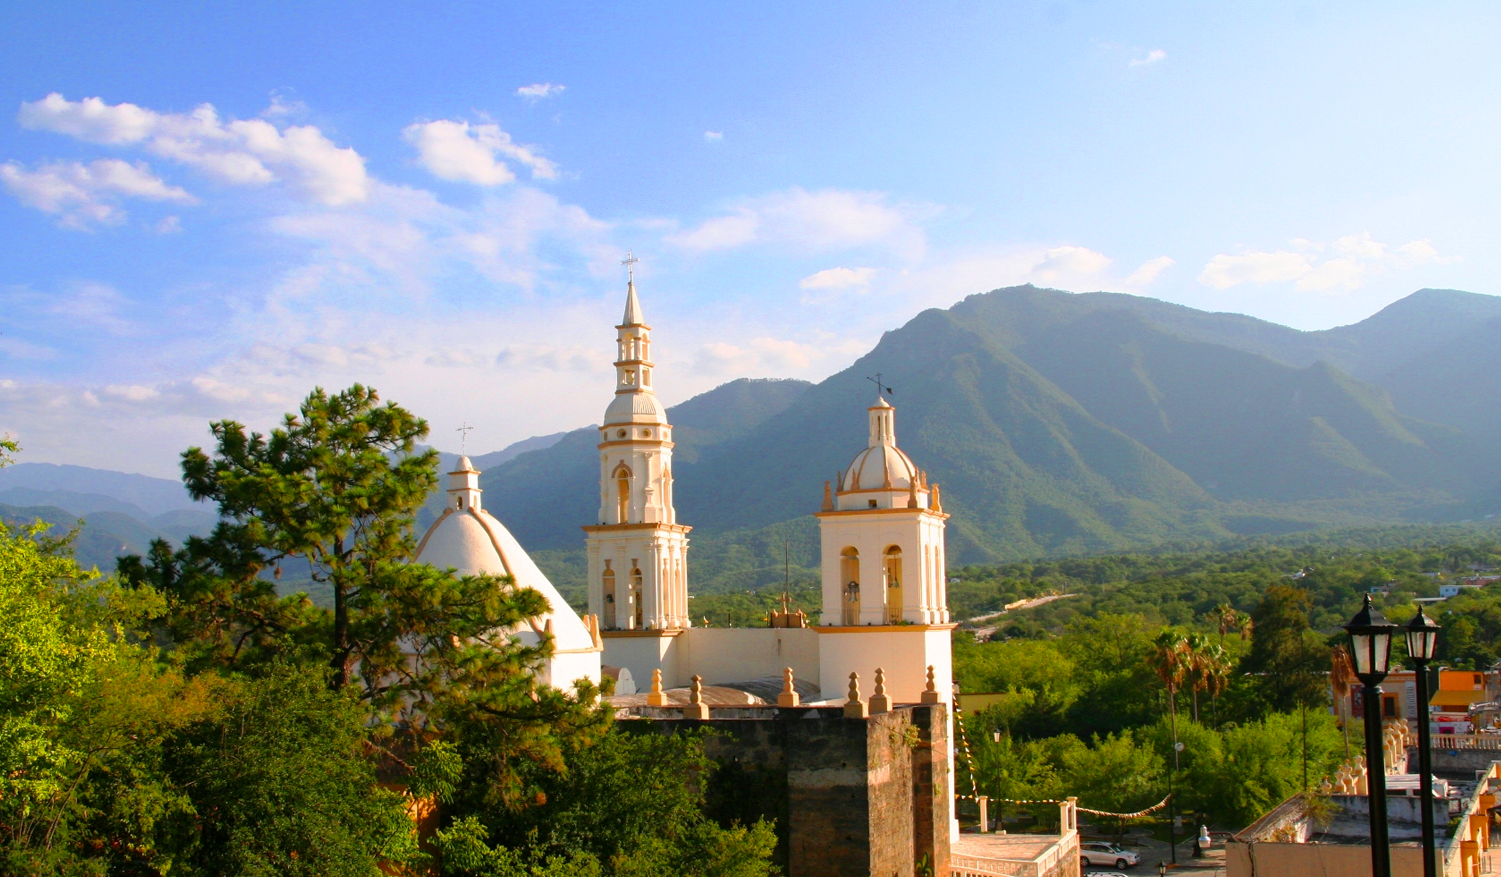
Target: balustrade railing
x: 1466, y: 741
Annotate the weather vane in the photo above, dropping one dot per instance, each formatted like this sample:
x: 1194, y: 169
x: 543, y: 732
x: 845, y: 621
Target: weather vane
x: 629, y: 262
x: 463, y: 432
x: 880, y: 387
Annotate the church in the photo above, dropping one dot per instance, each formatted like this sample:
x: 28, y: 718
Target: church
x: 881, y: 529
x: 883, y: 638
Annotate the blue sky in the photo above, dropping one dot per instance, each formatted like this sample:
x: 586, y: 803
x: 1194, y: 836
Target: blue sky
x: 209, y: 209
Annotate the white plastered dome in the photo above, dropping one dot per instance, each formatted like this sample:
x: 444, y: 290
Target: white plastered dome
x: 471, y: 541
x: 639, y: 407
x: 880, y: 467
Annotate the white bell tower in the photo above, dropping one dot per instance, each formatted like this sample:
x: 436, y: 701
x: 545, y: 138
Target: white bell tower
x: 882, y: 533
x: 637, y: 552
x: 885, y: 600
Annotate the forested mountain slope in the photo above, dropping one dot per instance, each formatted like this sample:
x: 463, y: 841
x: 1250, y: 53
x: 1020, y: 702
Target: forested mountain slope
x: 1061, y: 423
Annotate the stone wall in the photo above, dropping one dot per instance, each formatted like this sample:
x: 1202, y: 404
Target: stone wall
x: 849, y: 796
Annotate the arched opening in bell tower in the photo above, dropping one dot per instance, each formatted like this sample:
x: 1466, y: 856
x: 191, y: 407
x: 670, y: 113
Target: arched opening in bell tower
x: 622, y: 495
x: 893, y: 576
x: 849, y: 573
x: 611, y: 620
x: 636, y: 607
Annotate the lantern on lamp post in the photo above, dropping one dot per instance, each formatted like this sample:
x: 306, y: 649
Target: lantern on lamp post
x: 1370, y: 648
x: 1422, y: 642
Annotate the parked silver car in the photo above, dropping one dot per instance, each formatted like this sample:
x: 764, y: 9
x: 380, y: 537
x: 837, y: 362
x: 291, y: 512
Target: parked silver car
x: 1101, y: 853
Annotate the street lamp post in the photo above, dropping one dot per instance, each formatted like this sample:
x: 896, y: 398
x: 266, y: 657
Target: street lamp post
x: 1422, y: 642
x: 1370, y: 646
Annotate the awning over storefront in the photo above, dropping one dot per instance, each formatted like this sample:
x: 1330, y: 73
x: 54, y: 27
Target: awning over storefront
x: 1461, y: 700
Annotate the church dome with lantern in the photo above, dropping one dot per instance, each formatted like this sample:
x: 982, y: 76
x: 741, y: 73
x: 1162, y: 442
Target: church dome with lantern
x: 470, y: 540
x: 882, y: 475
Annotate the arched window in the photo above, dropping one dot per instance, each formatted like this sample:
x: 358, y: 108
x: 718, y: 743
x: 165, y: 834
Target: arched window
x: 622, y: 495
x: 849, y: 574
x: 611, y: 621
x: 636, y: 597
x: 893, y: 575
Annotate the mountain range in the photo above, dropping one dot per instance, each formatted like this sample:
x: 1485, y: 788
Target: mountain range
x: 1061, y: 423
x: 1056, y: 423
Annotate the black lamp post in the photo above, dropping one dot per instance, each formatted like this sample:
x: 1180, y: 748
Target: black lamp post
x: 1370, y: 646
x: 1422, y: 641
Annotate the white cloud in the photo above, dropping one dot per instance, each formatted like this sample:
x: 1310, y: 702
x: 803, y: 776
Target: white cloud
x: 397, y: 245
x: 85, y: 194
x: 539, y: 91
x: 467, y: 153
x: 1062, y: 263
x: 245, y: 152
x: 1149, y: 270
x: 282, y: 107
x: 760, y: 356
x: 1224, y: 271
x: 1152, y: 57
x: 169, y: 225
x: 713, y: 136
x: 828, y: 219
x: 838, y: 278
x: 1342, y: 266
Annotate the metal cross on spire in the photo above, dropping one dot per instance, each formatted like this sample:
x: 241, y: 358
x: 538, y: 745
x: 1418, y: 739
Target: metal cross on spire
x: 629, y: 262
x: 463, y: 432
x: 880, y: 387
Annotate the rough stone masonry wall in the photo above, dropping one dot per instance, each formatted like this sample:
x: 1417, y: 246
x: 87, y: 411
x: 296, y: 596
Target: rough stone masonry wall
x: 849, y: 797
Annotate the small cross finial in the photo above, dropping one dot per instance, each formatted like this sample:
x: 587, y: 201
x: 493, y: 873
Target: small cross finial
x: 463, y: 432
x: 629, y: 262
x: 880, y: 387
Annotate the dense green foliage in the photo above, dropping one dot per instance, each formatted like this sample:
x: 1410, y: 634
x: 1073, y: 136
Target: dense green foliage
x: 186, y: 718
x: 1229, y: 649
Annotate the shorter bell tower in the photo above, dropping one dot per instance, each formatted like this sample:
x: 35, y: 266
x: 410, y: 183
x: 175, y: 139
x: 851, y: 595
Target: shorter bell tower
x: 882, y: 528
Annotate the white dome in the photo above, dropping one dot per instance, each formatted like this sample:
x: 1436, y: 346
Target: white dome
x: 634, y: 408
x: 472, y: 541
x: 878, y: 467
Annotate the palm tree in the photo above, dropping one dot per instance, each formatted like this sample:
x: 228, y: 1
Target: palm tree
x: 1168, y: 659
x: 1227, y: 617
x: 1197, y: 666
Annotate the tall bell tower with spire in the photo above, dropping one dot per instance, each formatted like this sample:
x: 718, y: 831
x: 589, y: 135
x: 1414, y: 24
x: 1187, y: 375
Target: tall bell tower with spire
x: 637, y: 552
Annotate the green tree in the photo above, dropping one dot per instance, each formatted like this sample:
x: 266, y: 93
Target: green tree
x: 631, y: 800
x: 336, y: 488
x: 1115, y: 682
x: 83, y: 713
x: 279, y: 782
x: 1117, y: 774
x: 1288, y: 659
x: 1261, y: 765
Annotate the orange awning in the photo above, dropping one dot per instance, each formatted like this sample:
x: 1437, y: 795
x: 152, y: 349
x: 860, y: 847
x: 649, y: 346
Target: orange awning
x: 1456, y: 698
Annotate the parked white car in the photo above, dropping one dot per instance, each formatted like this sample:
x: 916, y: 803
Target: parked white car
x: 1101, y: 853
